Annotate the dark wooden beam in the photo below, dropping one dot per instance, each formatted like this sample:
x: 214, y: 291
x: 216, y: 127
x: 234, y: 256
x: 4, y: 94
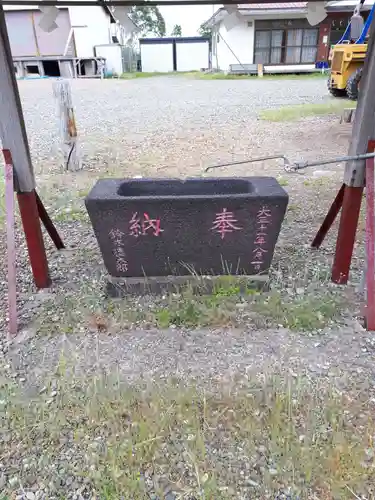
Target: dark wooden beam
x: 129, y: 3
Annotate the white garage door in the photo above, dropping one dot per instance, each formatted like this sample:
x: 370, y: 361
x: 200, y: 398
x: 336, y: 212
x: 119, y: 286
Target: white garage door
x: 192, y: 56
x: 157, y: 57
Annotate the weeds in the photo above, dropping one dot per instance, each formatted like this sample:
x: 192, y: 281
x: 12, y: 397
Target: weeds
x: 230, y: 303
x: 302, y: 313
x: 282, y: 181
x: 148, y: 441
x: 290, y: 113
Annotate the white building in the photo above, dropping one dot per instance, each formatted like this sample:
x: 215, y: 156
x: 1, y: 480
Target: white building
x: 276, y: 35
x: 77, y: 45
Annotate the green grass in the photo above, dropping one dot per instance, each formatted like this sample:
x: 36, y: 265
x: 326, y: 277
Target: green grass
x: 282, y: 181
x: 318, y: 182
x: 230, y: 303
x: 149, y: 74
x: 71, y: 214
x: 225, y: 76
x: 198, y: 444
x: 200, y: 75
x: 291, y: 113
x: 301, y: 313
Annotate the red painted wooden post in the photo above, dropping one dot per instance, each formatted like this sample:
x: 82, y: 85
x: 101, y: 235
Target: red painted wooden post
x: 329, y: 218
x: 370, y: 243
x: 351, y: 207
x: 11, y: 243
x: 34, y: 238
x: 48, y: 224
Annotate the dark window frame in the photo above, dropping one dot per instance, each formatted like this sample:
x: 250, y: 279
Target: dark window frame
x: 284, y: 45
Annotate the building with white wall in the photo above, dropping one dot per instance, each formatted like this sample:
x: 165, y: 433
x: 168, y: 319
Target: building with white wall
x: 169, y: 54
x: 70, y: 48
x: 276, y: 35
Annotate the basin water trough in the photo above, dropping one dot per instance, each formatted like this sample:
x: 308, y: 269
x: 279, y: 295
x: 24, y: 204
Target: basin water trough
x: 148, y: 228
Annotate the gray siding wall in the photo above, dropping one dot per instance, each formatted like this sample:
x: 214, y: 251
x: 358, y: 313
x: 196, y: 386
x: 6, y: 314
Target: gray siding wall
x: 27, y: 39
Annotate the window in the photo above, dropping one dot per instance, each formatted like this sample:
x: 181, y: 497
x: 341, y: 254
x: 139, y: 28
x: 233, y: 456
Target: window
x: 290, y: 46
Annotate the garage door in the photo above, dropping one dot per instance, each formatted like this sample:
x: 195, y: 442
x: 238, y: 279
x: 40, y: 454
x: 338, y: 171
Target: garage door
x: 156, y: 56
x: 192, y: 55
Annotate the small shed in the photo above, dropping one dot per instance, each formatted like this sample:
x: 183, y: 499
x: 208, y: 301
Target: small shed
x: 175, y: 54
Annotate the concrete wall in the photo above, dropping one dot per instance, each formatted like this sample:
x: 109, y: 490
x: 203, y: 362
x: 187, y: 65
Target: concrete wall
x: 91, y: 27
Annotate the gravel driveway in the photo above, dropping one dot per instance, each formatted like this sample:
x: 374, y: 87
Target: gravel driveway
x: 115, y: 116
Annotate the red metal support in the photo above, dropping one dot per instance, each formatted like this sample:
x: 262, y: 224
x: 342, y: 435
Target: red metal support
x: 351, y: 207
x: 329, y: 219
x: 370, y: 243
x: 34, y: 238
x: 48, y: 224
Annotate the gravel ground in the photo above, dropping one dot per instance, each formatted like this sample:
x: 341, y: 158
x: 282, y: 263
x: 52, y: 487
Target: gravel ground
x: 174, y: 126
x: 127, y: 119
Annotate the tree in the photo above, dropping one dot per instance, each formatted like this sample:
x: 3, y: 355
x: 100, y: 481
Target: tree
x: 149, y: 20
x: 177, y: 30
x: 205, y: 31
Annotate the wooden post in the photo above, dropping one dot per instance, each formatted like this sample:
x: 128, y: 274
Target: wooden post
x: 354, y: 177
x: 11, y: 244
x: 370, y: 244
x: 68, y: 129
x: 12, y: 125
x: 364, y: 118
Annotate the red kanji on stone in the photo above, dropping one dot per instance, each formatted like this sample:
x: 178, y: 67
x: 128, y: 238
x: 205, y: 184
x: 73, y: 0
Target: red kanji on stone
x: 151, y: 224
x: 258, y: 252
x: 260, y: 240
x: 264, y: 212
x: 225, y: 222
x: 135, y: 228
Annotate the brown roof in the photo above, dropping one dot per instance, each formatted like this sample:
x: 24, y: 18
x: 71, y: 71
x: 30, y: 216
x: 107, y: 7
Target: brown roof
x: 264, y: 6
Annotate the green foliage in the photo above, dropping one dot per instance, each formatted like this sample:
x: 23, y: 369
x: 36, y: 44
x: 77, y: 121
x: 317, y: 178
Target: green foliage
x: 177, y: 30
x: 205, y: 31
x: 149, y: 20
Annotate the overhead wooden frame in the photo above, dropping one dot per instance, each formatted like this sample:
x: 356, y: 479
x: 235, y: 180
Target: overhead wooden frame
x: 130, y: 3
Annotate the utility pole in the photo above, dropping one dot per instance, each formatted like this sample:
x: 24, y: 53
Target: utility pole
x: 13, y: 138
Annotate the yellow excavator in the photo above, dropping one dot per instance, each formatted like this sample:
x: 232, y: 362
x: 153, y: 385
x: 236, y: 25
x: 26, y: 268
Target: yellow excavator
x: 348, y: 55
